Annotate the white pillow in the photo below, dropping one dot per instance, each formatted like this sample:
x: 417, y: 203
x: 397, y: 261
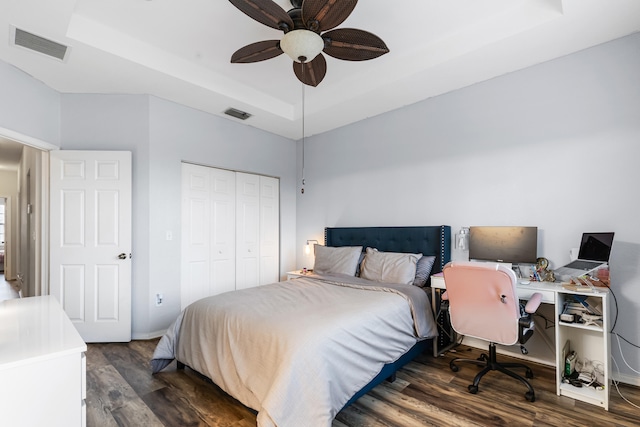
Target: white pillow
x: 336, y: 260
x: 389, y: 267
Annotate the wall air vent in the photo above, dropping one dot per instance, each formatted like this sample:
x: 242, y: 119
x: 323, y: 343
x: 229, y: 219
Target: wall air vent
x: 237, y: 114
x: 40, y: 44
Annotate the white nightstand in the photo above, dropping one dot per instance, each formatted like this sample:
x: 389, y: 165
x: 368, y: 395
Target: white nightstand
x: 297, y: 273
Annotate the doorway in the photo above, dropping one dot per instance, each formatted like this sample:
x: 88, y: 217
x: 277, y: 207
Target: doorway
x: 3, y: 203
x: 22, y: 154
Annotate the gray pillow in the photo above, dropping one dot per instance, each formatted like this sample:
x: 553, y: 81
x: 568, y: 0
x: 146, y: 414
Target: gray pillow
x: 423, y: 270
x: 337, y: 260
x: 389, y: 267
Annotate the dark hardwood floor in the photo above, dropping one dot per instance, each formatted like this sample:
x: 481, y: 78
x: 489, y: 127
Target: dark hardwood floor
x: 122, y: 392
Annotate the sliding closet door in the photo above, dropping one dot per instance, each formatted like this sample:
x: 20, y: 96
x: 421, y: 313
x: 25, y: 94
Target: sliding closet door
x: 247, y: 230
x: 208, y: 232
x: 269, y: 230
x: 230, y: 231
x: 223, y: 235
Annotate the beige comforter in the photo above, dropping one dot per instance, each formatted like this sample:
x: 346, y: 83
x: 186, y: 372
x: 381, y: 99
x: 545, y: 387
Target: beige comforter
x: 297, y: 351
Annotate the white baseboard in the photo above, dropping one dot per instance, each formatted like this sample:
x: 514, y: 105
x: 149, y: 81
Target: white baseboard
x: 626, y: 379
x: 149, y: 336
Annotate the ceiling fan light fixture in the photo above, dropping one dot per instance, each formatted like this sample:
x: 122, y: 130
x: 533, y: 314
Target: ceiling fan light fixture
x: 302, y: 45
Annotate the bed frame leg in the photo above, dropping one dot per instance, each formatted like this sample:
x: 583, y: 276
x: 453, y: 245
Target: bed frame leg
x: 180, y: 365
x: 392, y: 378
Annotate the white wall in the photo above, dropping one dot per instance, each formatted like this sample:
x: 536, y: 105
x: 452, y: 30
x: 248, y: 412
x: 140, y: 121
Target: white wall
x: 554, y: 146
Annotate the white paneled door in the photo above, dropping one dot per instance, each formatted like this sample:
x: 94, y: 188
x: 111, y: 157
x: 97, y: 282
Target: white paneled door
x: 257, y: 230
x: 208, y: 232
x: 269, y: 230
x: 90, y: 255
x: 247, y: 230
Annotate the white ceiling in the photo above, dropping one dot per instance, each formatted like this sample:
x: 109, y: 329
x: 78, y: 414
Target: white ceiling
x: 180, y: 50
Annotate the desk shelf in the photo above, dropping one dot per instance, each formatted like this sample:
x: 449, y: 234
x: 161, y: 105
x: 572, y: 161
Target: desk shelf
x: 586, y: 394
x: 591, y: 343
x: 581, y: 326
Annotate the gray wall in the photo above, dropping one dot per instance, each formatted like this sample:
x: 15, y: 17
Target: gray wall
x: 161, y: 135
x: 119, y: 122
x: 554, y: 146
x: 178, y: 134
x: 27, y: 106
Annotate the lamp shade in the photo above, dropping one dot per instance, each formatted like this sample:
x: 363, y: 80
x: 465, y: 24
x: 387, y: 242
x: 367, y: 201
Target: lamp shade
x: 302, y: 45
x: 309, y: 247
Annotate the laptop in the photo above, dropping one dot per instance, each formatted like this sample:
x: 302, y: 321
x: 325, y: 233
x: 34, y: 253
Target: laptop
x: 594, y: 252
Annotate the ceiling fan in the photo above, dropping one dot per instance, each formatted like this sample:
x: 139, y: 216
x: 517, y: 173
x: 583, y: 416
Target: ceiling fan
x: 306, y: 34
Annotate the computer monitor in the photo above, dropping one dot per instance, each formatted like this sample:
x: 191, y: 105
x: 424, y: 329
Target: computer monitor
x: 507, y: 244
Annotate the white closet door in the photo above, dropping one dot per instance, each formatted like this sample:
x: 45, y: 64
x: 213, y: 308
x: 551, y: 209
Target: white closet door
x: 196, y: 217
x: 223, y: 230
x: 269, y: 230
x: 230, y: 231
x: 208, y: 232
x: 247, y: 230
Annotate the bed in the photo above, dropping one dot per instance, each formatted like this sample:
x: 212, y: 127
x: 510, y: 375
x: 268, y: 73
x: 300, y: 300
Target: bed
x: 297, y: 352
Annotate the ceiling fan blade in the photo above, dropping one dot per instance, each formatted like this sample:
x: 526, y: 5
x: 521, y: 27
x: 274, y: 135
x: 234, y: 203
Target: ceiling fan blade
x: 256, y: 52
x: 311, y: 73
x: 353, y: 45
x: 323, y: 15
x: 266, y: 12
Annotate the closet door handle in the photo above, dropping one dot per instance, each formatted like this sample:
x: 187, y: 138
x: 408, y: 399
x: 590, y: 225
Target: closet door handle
x: 122, y: 256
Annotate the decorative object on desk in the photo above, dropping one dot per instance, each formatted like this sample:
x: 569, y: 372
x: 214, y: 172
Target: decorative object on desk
x: 462, y: 239
x: 543, y: 272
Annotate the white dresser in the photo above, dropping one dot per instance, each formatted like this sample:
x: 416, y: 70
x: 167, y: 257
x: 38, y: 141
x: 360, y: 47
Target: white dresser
x: 42, y: 365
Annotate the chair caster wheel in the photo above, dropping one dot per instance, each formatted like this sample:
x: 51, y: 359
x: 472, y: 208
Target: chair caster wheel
x: 473, y: 389
x: 453, y: 367
x: 529, y: 374
x: 530, y: 396
x: 483, y: 357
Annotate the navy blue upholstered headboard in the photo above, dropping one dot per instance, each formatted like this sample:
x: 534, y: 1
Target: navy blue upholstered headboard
x: 427, y: 240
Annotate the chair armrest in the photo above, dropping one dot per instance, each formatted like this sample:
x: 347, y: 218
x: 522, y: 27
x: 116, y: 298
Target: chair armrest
x: 533, y: 303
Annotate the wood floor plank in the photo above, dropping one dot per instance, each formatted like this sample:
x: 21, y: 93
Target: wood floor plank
x: 108, y: 393
x: 206, y: 398
x: 133, y: 366
x: 424, y: 412
x: 357, y: 416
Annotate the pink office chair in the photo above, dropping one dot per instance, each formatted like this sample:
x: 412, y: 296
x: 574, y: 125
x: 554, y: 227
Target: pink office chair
x: 483, y: 303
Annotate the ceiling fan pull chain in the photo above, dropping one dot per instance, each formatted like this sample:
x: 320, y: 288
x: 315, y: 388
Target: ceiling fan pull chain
x: 303, y: 180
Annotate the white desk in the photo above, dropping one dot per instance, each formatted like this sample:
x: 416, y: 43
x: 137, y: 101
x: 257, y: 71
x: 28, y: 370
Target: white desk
x: 589, y: 342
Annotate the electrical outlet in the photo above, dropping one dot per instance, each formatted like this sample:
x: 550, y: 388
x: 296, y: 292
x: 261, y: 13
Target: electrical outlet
x: 159, y: 299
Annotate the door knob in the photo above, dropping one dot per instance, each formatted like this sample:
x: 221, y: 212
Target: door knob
x: 122, y: 256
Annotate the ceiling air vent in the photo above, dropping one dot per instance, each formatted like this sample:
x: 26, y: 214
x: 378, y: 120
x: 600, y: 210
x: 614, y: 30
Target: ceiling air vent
x: 40, y: 44
x: 237, y: 114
